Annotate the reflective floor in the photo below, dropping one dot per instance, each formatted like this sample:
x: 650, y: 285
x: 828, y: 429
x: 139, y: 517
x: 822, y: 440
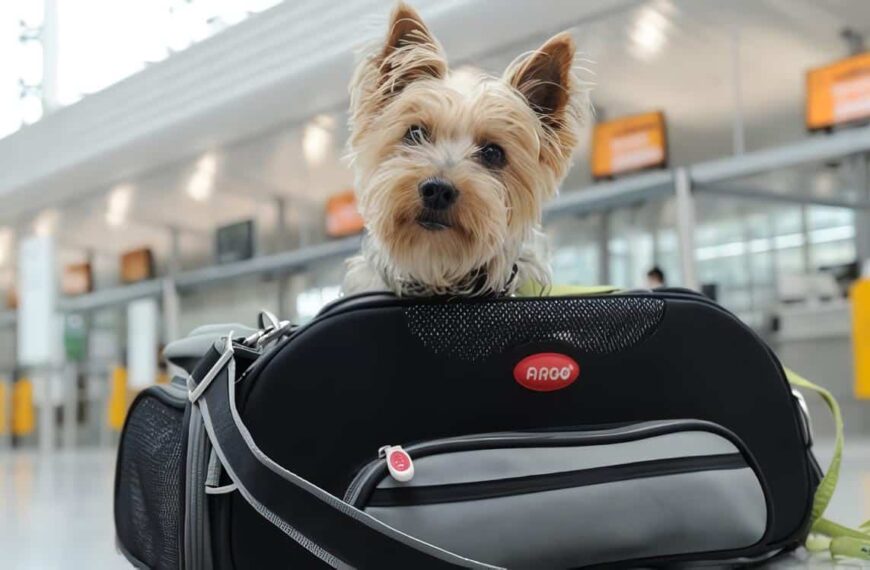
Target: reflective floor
x: 56, y: 512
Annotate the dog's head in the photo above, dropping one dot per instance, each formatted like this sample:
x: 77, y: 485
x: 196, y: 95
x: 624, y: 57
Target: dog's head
x: 452, y: 169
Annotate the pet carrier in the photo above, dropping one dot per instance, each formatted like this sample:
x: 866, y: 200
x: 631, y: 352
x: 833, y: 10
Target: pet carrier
x: 627, y: 429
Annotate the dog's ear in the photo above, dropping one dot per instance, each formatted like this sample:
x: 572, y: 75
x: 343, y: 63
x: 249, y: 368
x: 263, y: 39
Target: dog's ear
x: 546, y: 81
x: 410, y: 52
x: 544, y: 78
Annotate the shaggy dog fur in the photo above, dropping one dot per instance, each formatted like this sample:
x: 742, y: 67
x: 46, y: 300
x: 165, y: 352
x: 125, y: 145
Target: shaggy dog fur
x: 452, y: 169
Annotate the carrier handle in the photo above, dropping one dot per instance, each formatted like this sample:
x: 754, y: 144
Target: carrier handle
x: 334, y: 531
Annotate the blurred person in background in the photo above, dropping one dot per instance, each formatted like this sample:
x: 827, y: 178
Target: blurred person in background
x: 655, y: 278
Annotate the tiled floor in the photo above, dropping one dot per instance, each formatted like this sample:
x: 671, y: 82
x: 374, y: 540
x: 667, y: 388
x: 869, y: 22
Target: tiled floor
x: 56, y: 512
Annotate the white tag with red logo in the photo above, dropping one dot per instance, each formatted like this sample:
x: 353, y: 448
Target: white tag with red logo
x: 399, y: 463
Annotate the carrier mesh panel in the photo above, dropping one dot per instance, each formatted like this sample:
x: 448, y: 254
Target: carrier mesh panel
x: 473, y: 331
x: 148, y: 497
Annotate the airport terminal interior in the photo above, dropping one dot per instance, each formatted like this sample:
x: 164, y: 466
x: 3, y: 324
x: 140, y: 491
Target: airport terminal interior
x: 167, y: 164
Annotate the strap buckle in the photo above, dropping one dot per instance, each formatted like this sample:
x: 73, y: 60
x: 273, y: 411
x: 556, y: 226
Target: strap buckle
x: 806, y: 422
x: 270, y: 329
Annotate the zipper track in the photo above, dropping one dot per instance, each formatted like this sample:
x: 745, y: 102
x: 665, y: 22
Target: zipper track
x: 369, y: 476
x: 457, y: 492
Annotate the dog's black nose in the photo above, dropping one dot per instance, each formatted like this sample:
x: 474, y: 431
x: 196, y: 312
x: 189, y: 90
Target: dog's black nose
x: 438, y: 194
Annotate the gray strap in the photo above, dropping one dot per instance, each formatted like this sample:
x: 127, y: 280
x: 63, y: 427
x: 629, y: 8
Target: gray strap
x: 250, y: 466
x: 197, y: 388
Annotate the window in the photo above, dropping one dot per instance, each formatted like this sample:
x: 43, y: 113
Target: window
x: 95, y: 43
x: 309, y: 302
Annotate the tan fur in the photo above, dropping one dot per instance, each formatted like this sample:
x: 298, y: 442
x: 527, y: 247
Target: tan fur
x: 533, y: 112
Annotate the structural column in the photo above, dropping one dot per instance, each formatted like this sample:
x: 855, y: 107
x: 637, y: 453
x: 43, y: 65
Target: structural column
x: 685, y: 207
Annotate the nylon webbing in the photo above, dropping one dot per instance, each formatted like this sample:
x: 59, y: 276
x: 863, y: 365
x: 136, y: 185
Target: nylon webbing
x: 828, y: 535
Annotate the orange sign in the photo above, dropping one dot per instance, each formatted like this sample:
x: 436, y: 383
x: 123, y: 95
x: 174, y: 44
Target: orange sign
x: 77, y: 279
x: 137, y: 265
x: 629, y: 143
x: 839, y: 93
x: 342, y: 217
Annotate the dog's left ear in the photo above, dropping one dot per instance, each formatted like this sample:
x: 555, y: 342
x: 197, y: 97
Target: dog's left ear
x: 546, y: 81
x: 544, y: 78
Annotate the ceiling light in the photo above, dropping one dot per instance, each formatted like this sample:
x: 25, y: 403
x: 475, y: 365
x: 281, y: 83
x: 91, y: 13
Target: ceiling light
x: 45, y: 223
x: 118, y: 206
x: 201, y: 183
x: 317, y: 139
x: 649, y: 33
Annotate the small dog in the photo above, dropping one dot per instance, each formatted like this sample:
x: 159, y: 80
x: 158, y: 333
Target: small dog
x: 452, y: 169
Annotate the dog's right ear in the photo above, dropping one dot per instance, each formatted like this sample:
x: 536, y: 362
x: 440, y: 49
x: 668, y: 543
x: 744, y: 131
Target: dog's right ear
x: 409, y: 53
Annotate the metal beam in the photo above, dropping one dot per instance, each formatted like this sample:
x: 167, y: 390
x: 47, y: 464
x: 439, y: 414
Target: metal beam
x: 289, y: 261
x: 111, y: 297
x: 608, y: 195
x: 286, y: 261
x: 814, y: 149
x: 685, y: 207
x: 750, y: 193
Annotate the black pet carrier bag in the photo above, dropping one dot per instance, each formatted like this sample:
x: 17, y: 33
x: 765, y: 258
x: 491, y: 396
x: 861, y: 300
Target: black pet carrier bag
x: 636, y: 429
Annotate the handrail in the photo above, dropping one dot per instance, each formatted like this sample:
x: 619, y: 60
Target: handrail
x: 814, y: 149
x: 287, y: 261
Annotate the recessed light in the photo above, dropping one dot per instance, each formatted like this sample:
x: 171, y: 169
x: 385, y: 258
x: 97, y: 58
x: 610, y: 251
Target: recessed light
x: 118, y: 206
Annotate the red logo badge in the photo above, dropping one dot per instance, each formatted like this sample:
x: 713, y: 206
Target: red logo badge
x: 546, y: 371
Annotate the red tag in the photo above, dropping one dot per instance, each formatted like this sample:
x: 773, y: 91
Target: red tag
x: 546, y: 371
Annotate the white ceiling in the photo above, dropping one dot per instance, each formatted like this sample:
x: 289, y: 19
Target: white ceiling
x: 674, y: 55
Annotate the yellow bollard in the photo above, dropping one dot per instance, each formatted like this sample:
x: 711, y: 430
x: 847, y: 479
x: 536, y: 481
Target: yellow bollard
x: 23, y: 416
x: 859, y: 295
x: 4, y: 421
x: 118, y: 398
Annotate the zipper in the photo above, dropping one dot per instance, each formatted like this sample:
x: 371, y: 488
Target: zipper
x: 371, y: 474
x: 457, y: 492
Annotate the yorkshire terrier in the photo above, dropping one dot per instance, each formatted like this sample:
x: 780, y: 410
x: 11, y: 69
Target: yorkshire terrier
x: 452, y: 168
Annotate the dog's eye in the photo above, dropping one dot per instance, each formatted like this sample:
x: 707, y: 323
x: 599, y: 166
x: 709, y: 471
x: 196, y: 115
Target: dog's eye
x: 492, y: 155
x: 416, y: 134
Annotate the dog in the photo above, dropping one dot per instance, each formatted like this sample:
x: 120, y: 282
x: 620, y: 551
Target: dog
x: 452, y: 168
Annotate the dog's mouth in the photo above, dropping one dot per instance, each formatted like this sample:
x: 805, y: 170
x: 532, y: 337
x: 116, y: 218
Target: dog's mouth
x: 433, y: 220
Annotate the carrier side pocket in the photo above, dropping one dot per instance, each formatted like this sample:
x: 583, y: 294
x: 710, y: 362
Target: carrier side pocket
x: 562, y: 500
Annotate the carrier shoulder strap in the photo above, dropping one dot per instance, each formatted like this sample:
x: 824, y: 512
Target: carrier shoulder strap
x: 329, y: 528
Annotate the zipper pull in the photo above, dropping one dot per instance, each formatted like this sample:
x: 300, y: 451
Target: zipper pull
x: 399, y: 463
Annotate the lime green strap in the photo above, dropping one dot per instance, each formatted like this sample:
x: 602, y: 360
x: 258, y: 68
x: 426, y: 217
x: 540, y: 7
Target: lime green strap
x: 828, y: 535
x: 829, y: 481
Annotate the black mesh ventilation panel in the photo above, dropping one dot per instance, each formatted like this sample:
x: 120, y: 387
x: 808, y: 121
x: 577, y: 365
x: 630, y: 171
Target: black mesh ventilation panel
x: 149, y: 491
x: 594, y: 325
